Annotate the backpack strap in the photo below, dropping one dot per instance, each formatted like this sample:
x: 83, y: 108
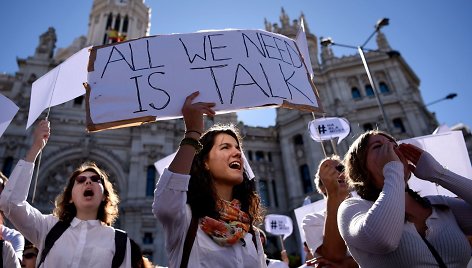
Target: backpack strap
x: 56, y: 231
x: 189, y: 239
x: 121, y: 238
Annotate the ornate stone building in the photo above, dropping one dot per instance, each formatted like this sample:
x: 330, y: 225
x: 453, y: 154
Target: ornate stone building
x: 283, y: 157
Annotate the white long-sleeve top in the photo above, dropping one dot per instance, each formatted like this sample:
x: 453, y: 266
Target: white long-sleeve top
x: 84, y: 244
x: 378, y: 235
x: 9, y: 256
x: 170, y: 197
x: 16, y: 239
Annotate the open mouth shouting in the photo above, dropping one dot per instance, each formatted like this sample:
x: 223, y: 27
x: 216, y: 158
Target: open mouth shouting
x: 235, y: 165
x: 88, y: 193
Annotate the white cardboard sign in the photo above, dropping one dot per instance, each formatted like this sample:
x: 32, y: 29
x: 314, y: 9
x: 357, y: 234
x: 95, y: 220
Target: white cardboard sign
x: 449, y: 150
x: 148, y: 79
x: 278, y: 225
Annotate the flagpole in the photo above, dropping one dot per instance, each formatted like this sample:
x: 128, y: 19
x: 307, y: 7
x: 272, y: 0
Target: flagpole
x: 41, y: 152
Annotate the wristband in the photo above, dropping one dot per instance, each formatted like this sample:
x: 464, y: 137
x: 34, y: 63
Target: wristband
x: 192, y: 142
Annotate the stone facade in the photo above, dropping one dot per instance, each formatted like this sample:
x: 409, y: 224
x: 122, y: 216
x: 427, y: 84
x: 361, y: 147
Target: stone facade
x: 284, y: 157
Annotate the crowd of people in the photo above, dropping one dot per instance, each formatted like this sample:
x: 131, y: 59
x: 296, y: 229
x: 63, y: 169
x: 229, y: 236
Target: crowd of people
x: 210, y: 210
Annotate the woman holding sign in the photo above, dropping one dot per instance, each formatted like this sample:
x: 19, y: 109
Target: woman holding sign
x: 390, y: 225
x: 205, y: 200
x: 80, y: 227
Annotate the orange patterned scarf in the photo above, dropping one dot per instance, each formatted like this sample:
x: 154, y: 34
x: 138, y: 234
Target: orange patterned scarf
x: 232, y: 225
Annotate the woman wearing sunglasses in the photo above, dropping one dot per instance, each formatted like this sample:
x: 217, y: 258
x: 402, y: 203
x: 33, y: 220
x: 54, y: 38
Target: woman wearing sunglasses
x: 206, y: 198
x: 390, y: 225
x: 321, y: 228
x: 88, y: 206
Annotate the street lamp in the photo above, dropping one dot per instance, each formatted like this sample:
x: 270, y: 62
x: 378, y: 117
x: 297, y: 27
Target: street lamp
x: 380, y: 23
x: 449, y: 96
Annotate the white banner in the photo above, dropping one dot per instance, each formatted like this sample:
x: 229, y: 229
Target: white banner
x: 9, y: 110
x: 328, y: 128
x: 278, y: 225
x: 148, y: 79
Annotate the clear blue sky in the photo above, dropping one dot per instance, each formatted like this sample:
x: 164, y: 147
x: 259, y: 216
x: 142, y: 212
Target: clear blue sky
x: 433, y: 36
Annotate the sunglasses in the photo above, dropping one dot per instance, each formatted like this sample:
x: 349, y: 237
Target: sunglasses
x: 93, y: 178
x: 340, y: 168
x: 29, y: 255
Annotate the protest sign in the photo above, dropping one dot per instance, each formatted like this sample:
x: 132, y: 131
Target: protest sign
x: 278, y: 225
x: 329, y: 128
x: 61, y: 84
x: 9, y: 110
x: 449, y: 149
x: 148, y: 79
x: 301, y: 212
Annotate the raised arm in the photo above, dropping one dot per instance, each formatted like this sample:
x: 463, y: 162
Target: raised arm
x: 170, y: 195
x: 193, y: 118
x: 427, y: 168
x: 333, y: 247
x: 40, y: 139
x: 363, y: 224
x: 28, y: 220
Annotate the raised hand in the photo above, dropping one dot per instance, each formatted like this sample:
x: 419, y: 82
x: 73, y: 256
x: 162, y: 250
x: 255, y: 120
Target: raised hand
x: 193, y: 112
x: 329, y: 176
x: 40, y: 138
x: 411, y: 152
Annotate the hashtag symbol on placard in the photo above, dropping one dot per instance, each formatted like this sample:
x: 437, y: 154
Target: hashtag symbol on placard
x: 273, y: 224
x: 321, y: 129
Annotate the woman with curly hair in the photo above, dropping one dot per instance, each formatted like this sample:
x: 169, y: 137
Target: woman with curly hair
x: 87, y: 206
x: 390, y: 225
x: 205, y: 200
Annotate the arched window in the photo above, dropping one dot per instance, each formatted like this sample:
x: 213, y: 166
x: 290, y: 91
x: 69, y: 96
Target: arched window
x: 125, y: 24
x: 274, y: 190
x: 147, y: 238
x: 150, y: 180
x: 7, y: 166
x: 117, y: 22
x: 383, y: 88
x: 356, y: 93
x: 264, y: 192
x: 249, y: 154
x: 259, y: 156
x: 298, y: 139
x: 369, y: 91
x: 306, y: 179
x: 398, y: 124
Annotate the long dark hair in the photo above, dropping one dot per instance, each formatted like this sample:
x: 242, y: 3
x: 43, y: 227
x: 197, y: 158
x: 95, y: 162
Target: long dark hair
x: 201, y: 195
x: 108, y: 209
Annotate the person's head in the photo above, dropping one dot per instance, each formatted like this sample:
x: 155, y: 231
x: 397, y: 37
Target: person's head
x: 88, y: 189
x: 334, y: 162
x: 362, y: 163
x: 3, y: 181
x: 30, y: 253
x: 219, y: 165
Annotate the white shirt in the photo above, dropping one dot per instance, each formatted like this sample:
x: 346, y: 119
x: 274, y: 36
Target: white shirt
x: 9, y: 257
x: 16, y: 239
x: 84, y: 244
x: 170, y: 208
